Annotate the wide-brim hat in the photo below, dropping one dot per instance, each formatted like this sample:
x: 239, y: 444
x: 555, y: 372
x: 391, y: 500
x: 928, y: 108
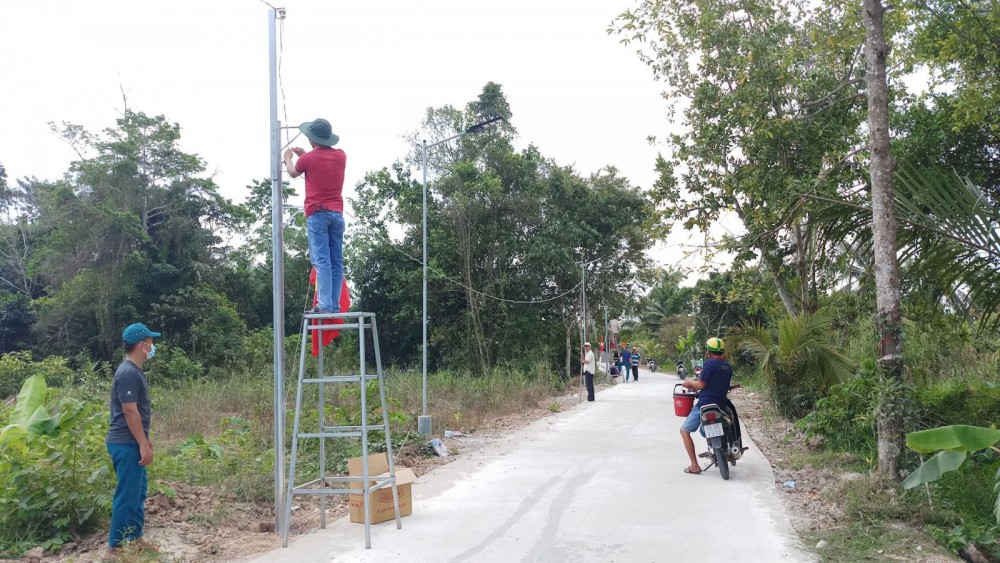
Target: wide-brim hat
x: 320, y: 132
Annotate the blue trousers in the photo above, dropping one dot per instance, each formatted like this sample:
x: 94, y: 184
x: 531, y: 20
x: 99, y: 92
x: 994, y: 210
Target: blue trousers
x: 325, y: 230
x: 128, y: 508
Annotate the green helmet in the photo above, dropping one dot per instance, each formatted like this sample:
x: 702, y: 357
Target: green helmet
x: 715, y: 345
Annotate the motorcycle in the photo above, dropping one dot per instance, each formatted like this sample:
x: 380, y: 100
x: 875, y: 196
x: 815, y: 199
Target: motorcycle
x: 651, y: 366
x: 681, y: 370
x: 721, y: 427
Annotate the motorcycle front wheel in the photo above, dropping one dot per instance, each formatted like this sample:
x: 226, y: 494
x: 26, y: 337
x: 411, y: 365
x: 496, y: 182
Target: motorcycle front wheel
x: 720, y: 460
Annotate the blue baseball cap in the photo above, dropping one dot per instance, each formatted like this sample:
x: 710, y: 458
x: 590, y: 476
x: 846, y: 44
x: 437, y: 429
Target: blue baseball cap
x: 135, y: 333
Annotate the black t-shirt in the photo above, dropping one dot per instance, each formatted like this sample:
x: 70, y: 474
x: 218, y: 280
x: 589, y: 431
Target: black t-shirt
x: 717, y: 375
x: 129, y: 386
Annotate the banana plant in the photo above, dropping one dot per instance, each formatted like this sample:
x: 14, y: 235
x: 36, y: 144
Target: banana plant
x: 954, y: 445
x: 29, y: 412
x: 686, y: 345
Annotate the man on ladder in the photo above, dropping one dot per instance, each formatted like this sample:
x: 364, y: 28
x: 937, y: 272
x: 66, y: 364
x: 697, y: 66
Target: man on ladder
x: 324, y: 207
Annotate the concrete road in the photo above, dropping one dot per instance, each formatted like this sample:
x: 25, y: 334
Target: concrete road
x: 601, y: 481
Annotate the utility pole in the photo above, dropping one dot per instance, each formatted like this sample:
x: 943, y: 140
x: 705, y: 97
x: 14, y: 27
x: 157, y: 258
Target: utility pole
x: 583, y: 270
x: 607, y: 346
x: 583, y: 325
x: 277, y: 273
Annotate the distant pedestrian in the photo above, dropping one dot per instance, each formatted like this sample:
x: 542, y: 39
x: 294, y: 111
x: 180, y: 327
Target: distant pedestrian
x: 324, y: 207
x: 626, y: 363
x: 636, y: 356
x: 128, y: 439
x: 589, y: 368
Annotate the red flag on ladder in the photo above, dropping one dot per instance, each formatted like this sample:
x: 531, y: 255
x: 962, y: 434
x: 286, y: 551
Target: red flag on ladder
x: 345, y: 305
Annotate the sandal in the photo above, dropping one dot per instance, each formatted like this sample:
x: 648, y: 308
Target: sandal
x: 688, y: 471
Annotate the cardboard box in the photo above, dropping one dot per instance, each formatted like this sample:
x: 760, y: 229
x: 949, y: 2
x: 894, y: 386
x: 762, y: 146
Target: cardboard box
x: 380, y: 505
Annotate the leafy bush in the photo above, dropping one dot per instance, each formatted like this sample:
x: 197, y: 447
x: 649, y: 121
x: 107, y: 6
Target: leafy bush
x: 17, y: 367
x: 209, y: 461
x: 958, y: 401
x: 173, y: 364
x: 57, y: 475
x: 846, y: 416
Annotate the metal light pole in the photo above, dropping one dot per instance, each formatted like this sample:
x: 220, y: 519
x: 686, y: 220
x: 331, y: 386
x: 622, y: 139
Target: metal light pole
x: 583, y: 309
x: 424, y: 421
x: 277, y: 275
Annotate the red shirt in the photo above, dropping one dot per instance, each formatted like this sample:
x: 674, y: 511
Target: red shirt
x: 324, y: 170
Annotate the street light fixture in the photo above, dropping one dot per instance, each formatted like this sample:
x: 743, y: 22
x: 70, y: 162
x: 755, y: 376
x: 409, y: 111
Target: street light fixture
x: 424, y: 421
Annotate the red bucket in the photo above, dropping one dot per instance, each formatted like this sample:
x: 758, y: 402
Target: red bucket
x: 683, y: 400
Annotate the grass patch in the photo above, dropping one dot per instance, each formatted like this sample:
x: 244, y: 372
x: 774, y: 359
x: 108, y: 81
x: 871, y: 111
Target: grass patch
x: 198, y: 407
x: 873, y: 541
x: 460, y: 401
x: 825, y: 459
x: 883, y: 522
x: 217, y: 432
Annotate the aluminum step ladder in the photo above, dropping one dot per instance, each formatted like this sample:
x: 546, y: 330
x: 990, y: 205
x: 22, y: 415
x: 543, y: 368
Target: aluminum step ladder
x: 364, y: 484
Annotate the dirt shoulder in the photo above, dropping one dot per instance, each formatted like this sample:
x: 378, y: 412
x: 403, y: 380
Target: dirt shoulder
x: 198, y: 524
x: 840, y: 512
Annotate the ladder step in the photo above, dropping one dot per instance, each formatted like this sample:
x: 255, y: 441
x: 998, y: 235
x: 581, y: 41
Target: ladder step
x: 341, y: 378
x: 346, y: 326
x: 347, y: 315
x: 334, y: 432
x: 351, y: 428
x: 310, y: 487
x: 347, y: 478
x: 298, y: 491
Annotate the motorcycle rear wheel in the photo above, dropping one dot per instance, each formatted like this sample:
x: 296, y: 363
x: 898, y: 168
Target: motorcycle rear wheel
x: 720, y: 460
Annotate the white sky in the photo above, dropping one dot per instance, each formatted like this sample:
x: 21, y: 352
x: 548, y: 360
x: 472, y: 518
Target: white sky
x: 370, y: 67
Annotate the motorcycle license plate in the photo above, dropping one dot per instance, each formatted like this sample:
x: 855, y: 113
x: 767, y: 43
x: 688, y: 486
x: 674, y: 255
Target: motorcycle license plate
x: 714, y: 430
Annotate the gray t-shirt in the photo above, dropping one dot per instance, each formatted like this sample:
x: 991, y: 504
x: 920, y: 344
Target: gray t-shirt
x: 129, y: 386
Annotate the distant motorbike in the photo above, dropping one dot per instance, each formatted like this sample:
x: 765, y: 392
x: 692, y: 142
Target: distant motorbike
x: 651, y: 366
x: 682, y: 371
x: 721, y: 427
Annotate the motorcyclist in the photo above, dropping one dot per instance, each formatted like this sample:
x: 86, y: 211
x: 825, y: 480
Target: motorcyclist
x: 716, y: 376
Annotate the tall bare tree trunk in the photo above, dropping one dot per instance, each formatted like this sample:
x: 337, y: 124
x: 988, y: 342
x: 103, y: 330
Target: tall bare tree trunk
x: 889, y: 417
x: 802, y: 259
x: 465, y: 235
x: 773, y: 266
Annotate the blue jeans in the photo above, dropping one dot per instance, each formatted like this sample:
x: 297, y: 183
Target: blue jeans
x: 325, y: 230
x: 693, y: 420
x: 128, y: 507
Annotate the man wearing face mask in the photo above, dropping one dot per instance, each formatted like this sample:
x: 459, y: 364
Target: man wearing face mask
x: 128, y: 439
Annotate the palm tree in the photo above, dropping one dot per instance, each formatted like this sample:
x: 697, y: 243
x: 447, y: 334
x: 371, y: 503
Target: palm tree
x: 800, y: 365
x: 949, y: 235
x: 666, y: 300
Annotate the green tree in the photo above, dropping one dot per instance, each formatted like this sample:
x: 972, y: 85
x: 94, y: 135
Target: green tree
x: 508, y: 232
x: 772, y: 107
x: 959, y: 42
x: 133, y: 220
